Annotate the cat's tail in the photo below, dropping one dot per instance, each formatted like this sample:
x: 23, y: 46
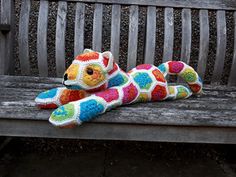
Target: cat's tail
x: 187, y: 73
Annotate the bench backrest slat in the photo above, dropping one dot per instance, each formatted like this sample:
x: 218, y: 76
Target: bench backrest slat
x: 197, y: 4
x: 232, y: 77
x: 79, y: 29
x: 60, y: 37
x: 115, y: 31
x: 169, y: 34
x: 150, y: 35
x: 42, y: 39
x: 133, y: 37
x: 23, y: 37
x: 204, y: 42
x: 186, y: 35
x: 97, y: 27
x: 221, y: 47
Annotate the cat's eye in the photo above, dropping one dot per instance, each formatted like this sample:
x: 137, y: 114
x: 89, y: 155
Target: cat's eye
x: 89, y: 71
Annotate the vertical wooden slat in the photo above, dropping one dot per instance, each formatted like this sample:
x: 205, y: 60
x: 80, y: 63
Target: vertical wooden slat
x: 150, y: 35
x: 232, y: 77
x: 133, y: 37
x: 221, y: 47
x: 204, y: 42
x: 186, y: 35
x: 60, y: 37
x: 23, y: 37
x: 6, y: 40
x: 42, y: 39
x: 79, y: 29
x: 115, y: 32
x: 97, y: 27
x: 169, y: 35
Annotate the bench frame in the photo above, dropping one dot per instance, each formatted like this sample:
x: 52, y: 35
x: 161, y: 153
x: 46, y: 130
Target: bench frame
x: 115, y: 131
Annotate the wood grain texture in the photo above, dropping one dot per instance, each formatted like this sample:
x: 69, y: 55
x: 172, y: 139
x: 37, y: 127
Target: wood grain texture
x: 105, y: 131
x: 7, y: 37
x: 169, y: 35
x: 186, y: 35
x: 150, y: 35
x: 133, y: 37
x: 23, y: 37
x: 232, y: 77
x: 204, y: 43
x: 60, y: 37
x: 42, y: 39
x: 97, y: 27
x: 217, y: 107
x: 221, y: 47
x: 196, y: 4
x: 79, y: 29
x: 115, y: 32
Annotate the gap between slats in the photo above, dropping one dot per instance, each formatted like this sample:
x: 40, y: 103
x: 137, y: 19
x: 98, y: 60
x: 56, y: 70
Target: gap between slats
x: 23, y: 37
x: 221, y: 47
x: 232, y: 77
x: 42, y: 39
x: 60, y: 37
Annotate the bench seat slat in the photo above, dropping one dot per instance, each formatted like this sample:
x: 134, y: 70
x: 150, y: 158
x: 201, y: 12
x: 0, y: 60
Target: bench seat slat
x: 204, y: 43
x: 79, y: 28
x: 232, y: 77
x: 169, y: 34
x: 42, y: 39
x: 97, y: 27
x: 133, y: 37
x: 150, y: 35
x: 115, y: 31
x: 24, y: 37
x: 60, y: 37
x: 17, y: 102
x: 221, y: 47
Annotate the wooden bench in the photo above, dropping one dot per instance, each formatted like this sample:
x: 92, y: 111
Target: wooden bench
x: 210, y: 118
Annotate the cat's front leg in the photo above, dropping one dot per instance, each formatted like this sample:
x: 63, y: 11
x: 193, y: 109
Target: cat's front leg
x: 56, y: 97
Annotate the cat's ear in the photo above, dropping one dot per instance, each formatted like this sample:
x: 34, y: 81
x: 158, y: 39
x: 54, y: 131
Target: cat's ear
x: 87, y: 50
x: 108, y: 60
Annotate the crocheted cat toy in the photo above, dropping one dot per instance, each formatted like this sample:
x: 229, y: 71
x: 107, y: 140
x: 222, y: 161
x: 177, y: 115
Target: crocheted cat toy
x: 94, y: 84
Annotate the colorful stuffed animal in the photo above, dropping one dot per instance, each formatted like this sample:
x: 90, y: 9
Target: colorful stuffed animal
x: 94, y: 84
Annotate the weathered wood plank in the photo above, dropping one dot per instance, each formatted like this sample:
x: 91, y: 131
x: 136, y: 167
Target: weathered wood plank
x: 133, y: 37
x: 150, y: 35
x: 186, y: 35
x: 115, y: 32
x: 79, y: 28
x: 97, y: 27
x: 7, y: 36
x: 60, y: 37
x: 204, y: 43
x: 23, y: 37
x: 169, y: 35
x: 42, y: 39
x: 196, y: 4
x: 119, y: 132
x: 232, y: 77
x: 221, y: 47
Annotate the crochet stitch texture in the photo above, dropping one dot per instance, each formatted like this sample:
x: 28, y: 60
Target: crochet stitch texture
x: 94, y: 84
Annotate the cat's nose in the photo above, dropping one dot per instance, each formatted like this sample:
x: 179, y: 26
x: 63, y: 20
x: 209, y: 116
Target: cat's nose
x: 65, y: 77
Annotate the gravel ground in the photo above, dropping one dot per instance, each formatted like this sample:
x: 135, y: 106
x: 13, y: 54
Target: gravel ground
x: 124, y: 36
